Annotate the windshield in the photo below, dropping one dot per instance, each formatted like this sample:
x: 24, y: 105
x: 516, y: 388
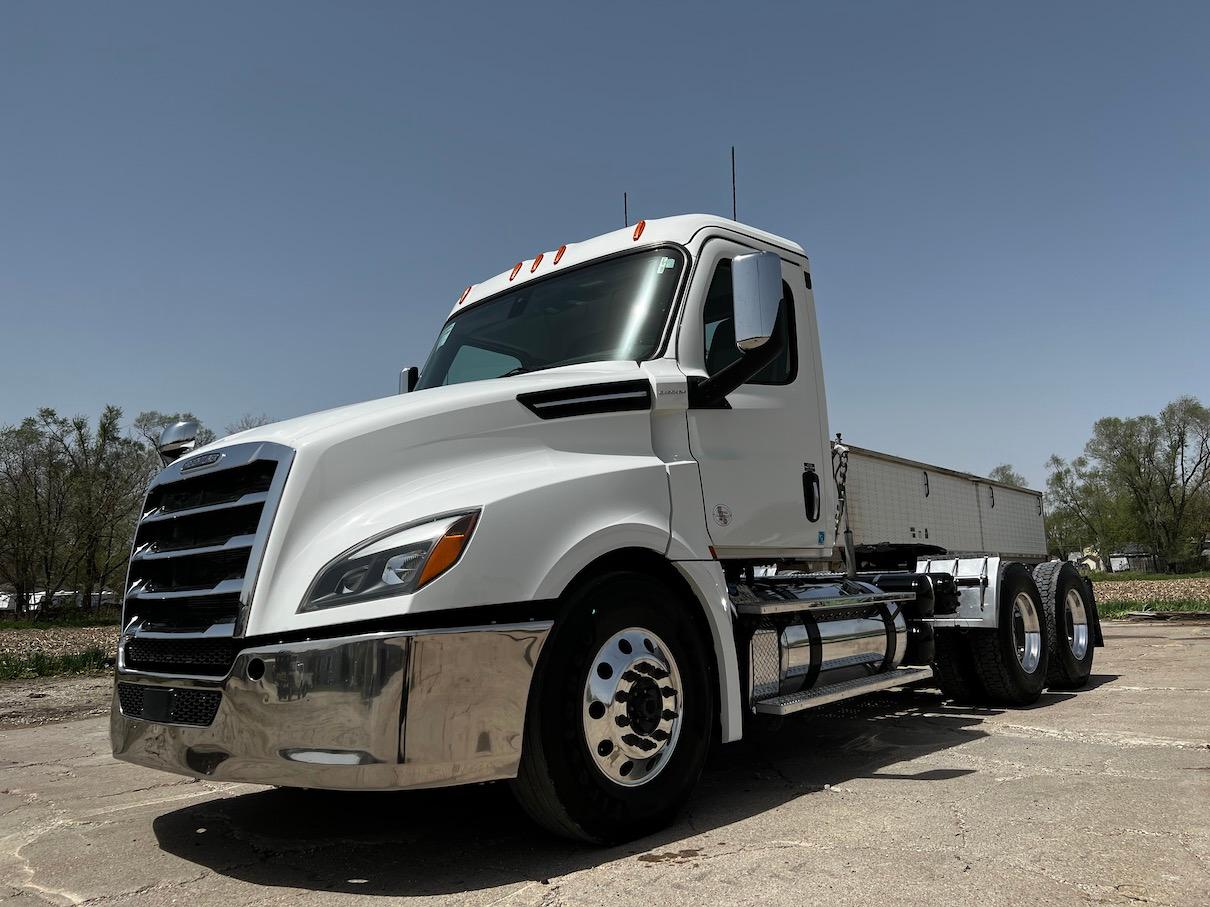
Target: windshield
x: 611, y: 310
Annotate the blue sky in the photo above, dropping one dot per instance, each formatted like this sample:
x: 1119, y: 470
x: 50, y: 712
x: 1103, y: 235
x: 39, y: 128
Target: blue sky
x: 271, y: 207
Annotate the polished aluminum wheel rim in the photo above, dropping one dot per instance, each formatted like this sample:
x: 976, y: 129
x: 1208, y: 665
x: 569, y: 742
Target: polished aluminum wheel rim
x: 632, y: 707
x: 1027, y: 632
x: 1076, y: 619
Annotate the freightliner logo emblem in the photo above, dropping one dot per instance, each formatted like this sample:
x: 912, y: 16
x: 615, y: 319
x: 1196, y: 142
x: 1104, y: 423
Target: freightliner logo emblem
x: 198, y: 462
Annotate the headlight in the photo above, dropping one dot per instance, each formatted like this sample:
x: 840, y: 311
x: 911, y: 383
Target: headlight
x: 399, y: 562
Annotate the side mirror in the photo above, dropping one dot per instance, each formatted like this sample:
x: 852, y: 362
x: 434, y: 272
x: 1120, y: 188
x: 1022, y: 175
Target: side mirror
x: 408, y: 378
x: 177, y: 440
x: 756, y: 289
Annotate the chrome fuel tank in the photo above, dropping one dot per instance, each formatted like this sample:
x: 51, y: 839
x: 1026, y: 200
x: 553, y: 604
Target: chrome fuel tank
x: 827, y: 648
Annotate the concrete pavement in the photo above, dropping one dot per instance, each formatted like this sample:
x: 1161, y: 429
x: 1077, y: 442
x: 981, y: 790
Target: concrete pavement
x: 1101, y: 796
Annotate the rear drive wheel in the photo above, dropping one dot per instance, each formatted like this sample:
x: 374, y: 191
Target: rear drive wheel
x: 619, y: 716
x: 1070, y: 617
x: 1012, y: 660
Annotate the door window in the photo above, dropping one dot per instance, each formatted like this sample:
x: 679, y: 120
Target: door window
x: 718, y: 329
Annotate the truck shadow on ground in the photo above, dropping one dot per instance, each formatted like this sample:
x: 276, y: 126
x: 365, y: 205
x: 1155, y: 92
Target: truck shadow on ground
x: 469, y: 839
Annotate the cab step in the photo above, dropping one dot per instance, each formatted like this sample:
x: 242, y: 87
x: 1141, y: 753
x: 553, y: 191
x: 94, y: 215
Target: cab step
x: 834, y: 692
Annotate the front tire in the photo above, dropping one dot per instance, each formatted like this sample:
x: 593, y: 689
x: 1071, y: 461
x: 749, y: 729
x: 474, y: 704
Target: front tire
x: 620, y: 714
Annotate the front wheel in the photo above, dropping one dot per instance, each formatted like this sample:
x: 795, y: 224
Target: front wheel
x: 619, y: 718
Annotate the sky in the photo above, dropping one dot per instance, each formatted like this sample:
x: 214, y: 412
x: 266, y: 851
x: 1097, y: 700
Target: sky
x: 271, y: 207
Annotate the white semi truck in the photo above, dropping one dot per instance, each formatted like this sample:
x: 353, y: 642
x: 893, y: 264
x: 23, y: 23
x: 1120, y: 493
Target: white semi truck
x: 600, y: 528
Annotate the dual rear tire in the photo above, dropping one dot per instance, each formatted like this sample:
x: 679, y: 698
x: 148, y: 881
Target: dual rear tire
x: 1045, y: 638
x: 1071, y: 619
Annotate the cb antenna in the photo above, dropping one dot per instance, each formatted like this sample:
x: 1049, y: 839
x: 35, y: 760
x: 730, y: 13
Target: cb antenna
x: 733, y: 214
x: 625, y: 210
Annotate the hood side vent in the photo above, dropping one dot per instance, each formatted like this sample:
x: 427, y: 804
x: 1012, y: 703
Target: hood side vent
x: 589, y: 399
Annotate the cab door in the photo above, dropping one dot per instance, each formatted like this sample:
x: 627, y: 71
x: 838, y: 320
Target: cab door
x: 763, y: 454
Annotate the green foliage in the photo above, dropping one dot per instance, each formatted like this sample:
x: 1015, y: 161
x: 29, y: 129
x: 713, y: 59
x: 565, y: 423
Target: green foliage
x: 1143, y: 480
x: 1009, y: 476
x: 40, y: 665
x: 70, y: 495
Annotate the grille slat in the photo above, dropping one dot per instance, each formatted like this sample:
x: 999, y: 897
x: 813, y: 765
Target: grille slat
x: 189, y: 571
x: 224, y: 486
x: 247, y: 500
x: 170, y: 705
x: 198, y: 544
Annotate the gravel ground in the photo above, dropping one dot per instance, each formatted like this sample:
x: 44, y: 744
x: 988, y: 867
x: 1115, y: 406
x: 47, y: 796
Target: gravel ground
x: 1092, y: 797
x: 1154, y: 592
x: 58, y: 640
x: 47, y: 700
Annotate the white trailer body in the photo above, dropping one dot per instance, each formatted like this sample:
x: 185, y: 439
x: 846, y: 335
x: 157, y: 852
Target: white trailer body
x: 570, y: 555
x: 896, y: 501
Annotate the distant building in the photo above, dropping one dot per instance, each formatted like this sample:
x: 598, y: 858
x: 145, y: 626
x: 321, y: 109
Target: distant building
x: 1088, y: 559
x: 1136, y: 558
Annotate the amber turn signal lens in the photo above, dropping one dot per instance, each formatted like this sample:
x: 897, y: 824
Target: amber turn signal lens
x: 447, y: 550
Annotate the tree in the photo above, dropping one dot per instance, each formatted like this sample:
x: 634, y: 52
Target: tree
x: 247, y: 421
x: 1163, y: 465
x: 37, y: 486
x: 1140, y: 479
x: 114, y: 471
x: 1084, y: 508
x: 1009, y: 476
x: 70, y: 496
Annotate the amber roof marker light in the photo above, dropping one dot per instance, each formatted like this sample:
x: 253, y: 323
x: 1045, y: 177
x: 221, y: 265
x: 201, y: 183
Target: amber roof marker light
x: 516, y: 270
x: 638, y: 229
x: 537, y: 261
x: 465, y: 293
x: 559, y: 254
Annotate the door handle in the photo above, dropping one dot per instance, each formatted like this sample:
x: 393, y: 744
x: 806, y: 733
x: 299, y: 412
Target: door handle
x: 810, y: 492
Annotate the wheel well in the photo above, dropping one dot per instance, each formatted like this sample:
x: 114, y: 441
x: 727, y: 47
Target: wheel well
x: 644, y: 560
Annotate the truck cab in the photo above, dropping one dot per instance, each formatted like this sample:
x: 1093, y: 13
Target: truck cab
x: 578, y: 549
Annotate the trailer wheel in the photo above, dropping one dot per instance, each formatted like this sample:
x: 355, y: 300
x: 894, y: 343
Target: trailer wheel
x: 954, y: 667
x: 619, y: 717
x: 1070, y: 621
x: 1012, y: 660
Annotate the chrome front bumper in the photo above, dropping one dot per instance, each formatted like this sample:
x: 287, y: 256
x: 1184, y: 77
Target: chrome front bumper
x: 381, y: 711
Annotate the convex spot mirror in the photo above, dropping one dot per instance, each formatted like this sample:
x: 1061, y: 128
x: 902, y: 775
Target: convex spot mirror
x: 176, y: 440
x: 756, y: 291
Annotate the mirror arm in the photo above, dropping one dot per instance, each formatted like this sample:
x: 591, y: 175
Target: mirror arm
x: 711, y: 393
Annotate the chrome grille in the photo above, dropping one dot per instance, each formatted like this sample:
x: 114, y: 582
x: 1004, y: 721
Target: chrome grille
x: 199, y: 542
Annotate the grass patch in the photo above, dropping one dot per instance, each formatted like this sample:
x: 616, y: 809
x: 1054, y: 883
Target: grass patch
x: 1128, y: 575
x: 27, y: 667
x: 1112, y: 610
